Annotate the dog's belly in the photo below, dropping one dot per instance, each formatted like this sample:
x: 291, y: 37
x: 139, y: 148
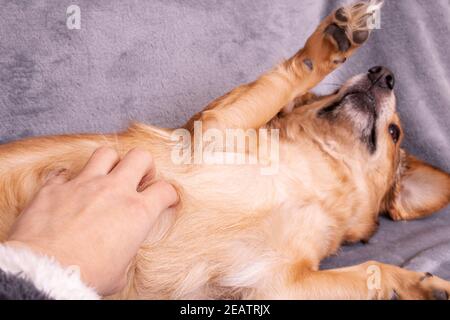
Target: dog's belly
x: 223, y: 255
x: 230, y: 238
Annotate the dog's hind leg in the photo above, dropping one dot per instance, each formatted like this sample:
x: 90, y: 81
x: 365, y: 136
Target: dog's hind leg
x: 253, y: 105
x: 370, y: 280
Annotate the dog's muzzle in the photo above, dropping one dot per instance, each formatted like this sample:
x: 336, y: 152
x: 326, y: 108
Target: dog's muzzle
x: 381, y: 77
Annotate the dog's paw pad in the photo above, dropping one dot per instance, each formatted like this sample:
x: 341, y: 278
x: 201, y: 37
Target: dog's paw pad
x: 309, y: 64
x: 340, y: 15
x: 440, y: 294
x: 339, y: 35
x: 359, y: 37
x: 350, y: 24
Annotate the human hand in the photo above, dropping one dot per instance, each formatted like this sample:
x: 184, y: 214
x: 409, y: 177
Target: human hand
x: 98, y: 220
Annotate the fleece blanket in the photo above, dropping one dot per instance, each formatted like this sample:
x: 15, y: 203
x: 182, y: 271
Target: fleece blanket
x: 160, y: 61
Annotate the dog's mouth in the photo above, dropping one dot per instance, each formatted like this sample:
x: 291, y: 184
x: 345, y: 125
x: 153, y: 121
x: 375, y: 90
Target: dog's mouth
x: 364, y: 92
x: 360, y: 109
x: 363, y: 101
x: 359, y: 104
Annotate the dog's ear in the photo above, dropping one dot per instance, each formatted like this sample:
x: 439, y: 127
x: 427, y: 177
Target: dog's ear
x: 420, y: 189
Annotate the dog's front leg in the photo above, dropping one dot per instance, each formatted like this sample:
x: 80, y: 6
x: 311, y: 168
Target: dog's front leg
x: 254, y: 104
x: 370, y: 280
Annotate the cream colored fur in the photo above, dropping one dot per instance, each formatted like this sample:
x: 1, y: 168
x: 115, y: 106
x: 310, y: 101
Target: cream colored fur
x: 240, y: 234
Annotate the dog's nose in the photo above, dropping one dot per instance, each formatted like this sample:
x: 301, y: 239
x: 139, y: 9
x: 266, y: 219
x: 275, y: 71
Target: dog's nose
x: 382, y: 77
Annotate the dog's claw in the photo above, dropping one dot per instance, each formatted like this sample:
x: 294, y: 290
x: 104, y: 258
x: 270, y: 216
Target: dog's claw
x: 395, y: 295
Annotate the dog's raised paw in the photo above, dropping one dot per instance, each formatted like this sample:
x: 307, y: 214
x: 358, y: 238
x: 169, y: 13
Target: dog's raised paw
x: 338, y: 36
x: 351, y: 25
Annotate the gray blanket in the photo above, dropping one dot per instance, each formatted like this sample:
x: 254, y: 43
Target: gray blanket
x: 160, y: 61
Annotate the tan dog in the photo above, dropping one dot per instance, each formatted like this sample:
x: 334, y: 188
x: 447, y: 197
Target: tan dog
x: 241, y: 234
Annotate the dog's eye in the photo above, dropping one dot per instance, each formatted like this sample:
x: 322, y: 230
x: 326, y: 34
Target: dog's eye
x: 394, y: 131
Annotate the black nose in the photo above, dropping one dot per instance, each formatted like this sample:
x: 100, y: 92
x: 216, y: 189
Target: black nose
x: 382, y: 77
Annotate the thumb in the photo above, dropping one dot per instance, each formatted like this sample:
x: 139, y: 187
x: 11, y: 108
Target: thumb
x: 160, y: 196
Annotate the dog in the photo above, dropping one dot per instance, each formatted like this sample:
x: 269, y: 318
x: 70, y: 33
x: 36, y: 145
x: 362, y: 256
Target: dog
x: 240, y: 234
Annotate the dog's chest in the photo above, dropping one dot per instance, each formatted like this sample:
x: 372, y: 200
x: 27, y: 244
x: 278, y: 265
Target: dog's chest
x: 317, y: 203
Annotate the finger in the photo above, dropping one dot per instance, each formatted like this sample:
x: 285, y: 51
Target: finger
x: 136, y: 164
x: 57, y: 177
x: 101, y: 163
x: 160, y: 196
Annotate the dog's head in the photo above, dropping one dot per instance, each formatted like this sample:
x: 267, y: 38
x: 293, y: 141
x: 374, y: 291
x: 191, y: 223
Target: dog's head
x: 359, y: 125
